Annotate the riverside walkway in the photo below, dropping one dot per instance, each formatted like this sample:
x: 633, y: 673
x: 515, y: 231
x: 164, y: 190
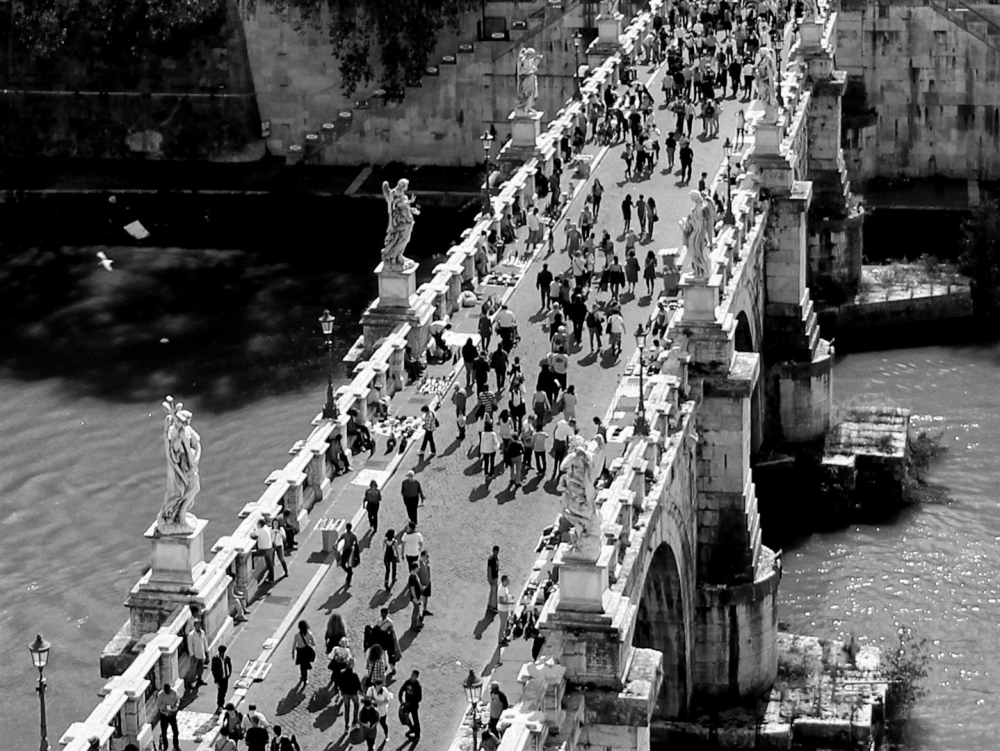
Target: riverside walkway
x: 464, y: 516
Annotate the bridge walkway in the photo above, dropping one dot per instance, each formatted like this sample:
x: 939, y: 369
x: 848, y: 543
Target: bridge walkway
x: 464, y: 516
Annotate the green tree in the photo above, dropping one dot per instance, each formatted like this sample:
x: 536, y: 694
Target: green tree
x: 980, y: 258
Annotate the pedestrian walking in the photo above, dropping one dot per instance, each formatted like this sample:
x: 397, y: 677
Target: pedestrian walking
x: 534, y: 224
x: 649, y: 272
x: 412, y: 542
x: 627, y: 156
x: 265, y: 546
x: 222, y: 671
x: 282, y: 742
x: 168, y: 702
x: 350, y: 552
x: 651, y: 217
x: 459, y: 398
x: 233, y: 724
x: 414, y: 591
x: 390, y: 557
x: 741, y: 123
x: 257, y: 736
x: 384, y: 634
x: 505, y: 600
x: 627, y: 211
x: 616, y: 327
x: 341, y: 661
x: 499, y: 361
x: 560, y: 438
x: 411, y: 693
x: 543, y: 281
x: 368, y: 722
x: 541, y: 406
x: 381, y: 696
x: 569, y: 403
x: 687, y: 159
x: 595, y: 326
x: 493, y: 579
x: 335, y: 631
x: 640, y: 212
x: 431, y: 424
x: 596, y: 194
x: 469, y: 354
x: 540, y: 446
x: 631, y: 271
x: 278, y: 540
x: 424, y: 575
x: 303, y: 652
x: 514, y: 456
x: 413, y: 494
x: 671, y: 144
x: 350, y: 692
x: 498, y: 704
x: 197, y: 644
x: 489, y: 443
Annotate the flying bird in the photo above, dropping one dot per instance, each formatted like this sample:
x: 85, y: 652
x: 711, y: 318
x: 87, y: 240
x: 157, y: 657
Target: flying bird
x: 104, y: 261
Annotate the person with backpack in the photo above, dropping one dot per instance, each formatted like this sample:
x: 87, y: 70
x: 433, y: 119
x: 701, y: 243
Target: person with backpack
x: 233, y: 724
x: 350, y: 552
x: 222, y: 669
x: 284, y: 742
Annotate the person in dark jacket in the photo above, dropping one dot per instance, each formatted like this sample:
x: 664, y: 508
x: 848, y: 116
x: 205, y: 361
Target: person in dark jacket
x: 410, y: 695
x: 350, y: 690
x: 222, y: 669
x: 368, y: 719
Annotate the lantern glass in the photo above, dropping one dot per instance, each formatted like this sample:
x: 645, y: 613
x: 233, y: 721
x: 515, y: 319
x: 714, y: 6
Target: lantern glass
x: 473, y: 686
x: 39, y: 649
x: 326, y: 322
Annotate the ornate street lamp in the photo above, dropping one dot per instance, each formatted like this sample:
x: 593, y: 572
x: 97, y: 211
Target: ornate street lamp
x: 577, y: 40
x: 727, y: 149
x: 777, y: 39
x: 39, y: 649
x: 473, y: 686
x: 487, y: 140
x: 330, y: 411
x: 641, y: 426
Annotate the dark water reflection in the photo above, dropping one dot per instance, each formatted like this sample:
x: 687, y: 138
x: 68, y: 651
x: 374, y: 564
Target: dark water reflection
x: 229, y: 325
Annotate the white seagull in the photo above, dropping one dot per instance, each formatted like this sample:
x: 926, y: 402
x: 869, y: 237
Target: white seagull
x: 104, y: 261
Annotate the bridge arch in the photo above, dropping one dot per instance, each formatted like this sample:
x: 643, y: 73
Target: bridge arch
x: 665, y: 613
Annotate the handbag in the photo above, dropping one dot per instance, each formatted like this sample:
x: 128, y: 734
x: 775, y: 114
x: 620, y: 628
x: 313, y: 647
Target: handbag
x: 404, y: 715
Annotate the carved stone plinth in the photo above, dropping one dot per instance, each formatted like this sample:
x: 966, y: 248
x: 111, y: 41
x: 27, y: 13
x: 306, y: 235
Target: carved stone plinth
x: 768, y: 138
x: 177, y: 558
x: 810, y: 34
x: 701, y: 297
x: 396, y: 285
x: 525, y: 129
x: 609, y: 28
x: 582, y: 583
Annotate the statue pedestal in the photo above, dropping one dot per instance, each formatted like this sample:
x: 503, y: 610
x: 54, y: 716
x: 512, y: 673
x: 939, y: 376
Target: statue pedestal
x: 701, y: 297
x: 811, y: 34
x: 583, y: 582
x: 609, y: 28
x: 768, y: 138
x: 525, y: 128
x: 180, y: 576
x: 175, y: 557
x: 396, y: 285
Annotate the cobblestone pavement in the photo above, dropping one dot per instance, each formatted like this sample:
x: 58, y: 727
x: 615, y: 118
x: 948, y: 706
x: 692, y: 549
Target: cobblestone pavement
x: 464, y: 516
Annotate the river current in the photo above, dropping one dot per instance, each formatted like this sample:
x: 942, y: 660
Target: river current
x: 88, y: 355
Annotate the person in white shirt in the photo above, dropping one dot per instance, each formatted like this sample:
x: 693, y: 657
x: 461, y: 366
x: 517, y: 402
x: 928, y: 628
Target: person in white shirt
x: 506, y: 326
x: 381, y: 696
x: 252, y: 712
x: 504, y: 602
x: 265, y: 546
x: 197, y: 643
x: 412, y: 542
x: 560, y: 435
x: 616, y: 327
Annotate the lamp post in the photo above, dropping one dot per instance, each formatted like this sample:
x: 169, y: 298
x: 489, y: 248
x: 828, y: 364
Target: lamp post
x: 473, y: 686
x: 39, y: 649
x: 641, y: 426
x: 487, y: 141
x: 727, y: 149
x: 577, y: 39
x: 330, y: 411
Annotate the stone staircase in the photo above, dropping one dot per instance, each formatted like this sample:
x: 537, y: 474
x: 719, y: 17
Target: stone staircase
x: 968, y: 19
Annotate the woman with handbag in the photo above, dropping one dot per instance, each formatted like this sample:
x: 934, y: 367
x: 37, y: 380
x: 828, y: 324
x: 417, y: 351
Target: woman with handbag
x: 649, y: 272
x: 304, y: 651
x: 232, y: 724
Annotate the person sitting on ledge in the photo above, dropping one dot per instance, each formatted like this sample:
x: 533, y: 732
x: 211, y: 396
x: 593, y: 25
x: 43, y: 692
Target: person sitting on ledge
x: 358, y: 434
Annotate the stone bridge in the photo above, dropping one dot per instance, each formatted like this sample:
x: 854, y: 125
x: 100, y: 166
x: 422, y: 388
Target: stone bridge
x: 678, y: 614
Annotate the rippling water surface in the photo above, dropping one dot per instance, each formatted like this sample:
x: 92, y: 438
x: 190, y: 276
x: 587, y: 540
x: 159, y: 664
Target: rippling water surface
x: 935, y: 567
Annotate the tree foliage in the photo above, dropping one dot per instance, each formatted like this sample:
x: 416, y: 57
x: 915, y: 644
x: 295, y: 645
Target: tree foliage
x: 43, y: 27
x: 903, y: 669
x: 404, y: 32
x: 980, y: 258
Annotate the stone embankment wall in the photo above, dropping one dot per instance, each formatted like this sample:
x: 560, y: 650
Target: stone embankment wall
x: 190, y: 101
x: 469, y: 84
x: 934, y: 87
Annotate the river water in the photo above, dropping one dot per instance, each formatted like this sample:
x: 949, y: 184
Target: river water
x: 88, y: 355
